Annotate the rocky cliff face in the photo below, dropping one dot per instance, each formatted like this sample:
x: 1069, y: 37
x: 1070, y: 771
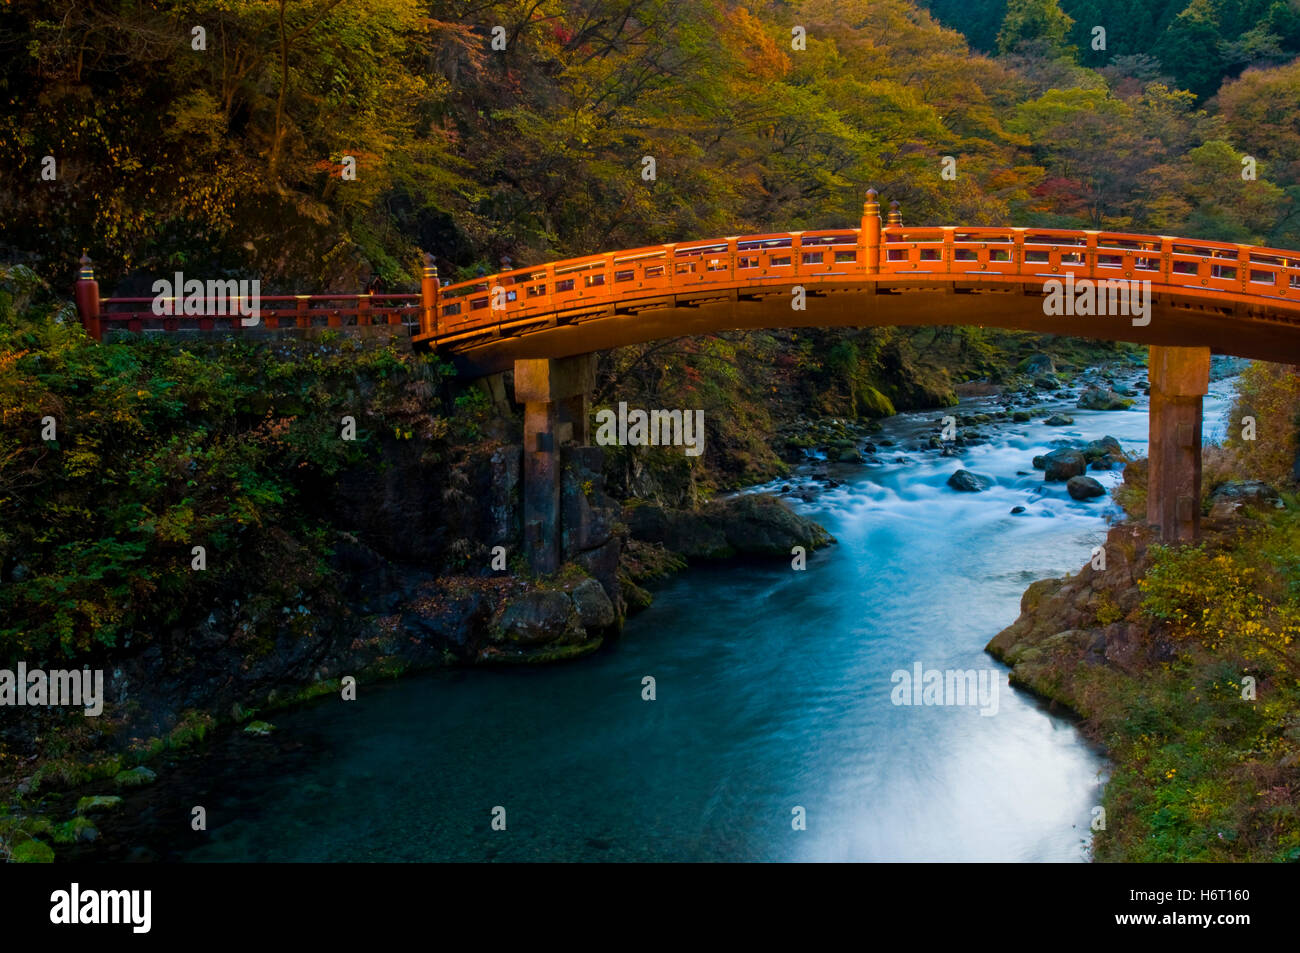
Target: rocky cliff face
x: 413, y: 582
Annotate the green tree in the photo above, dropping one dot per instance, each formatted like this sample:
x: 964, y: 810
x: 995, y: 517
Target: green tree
x: 1036, y: 20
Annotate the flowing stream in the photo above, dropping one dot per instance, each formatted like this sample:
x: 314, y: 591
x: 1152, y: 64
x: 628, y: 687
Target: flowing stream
x: 773, y: 693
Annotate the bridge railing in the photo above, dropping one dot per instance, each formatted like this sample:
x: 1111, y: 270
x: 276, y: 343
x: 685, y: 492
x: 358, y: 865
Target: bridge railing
x: 136, y: 314
x: 1193, y: 264
x: 515, y: 298
x: 511, y: 301
x: 563, y: 291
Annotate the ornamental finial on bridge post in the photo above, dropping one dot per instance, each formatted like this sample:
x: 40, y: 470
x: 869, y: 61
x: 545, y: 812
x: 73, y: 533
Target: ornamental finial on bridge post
x: 429, y: 296
x: 87, y: 297
x: 895, y: 214
x: 869, y: 237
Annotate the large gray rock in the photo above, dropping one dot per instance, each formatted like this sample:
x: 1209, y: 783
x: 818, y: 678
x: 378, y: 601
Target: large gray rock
x: 1084, y: 488
x: 688, y: 532
x: 758, y: 524
x: 753, y: 524
x: 1062, y: 464
x: 1037, y: 364
x: 966, y: 482
x: 1230, y: 498
x: 542, y: 617
x: 1097, y: 398
x: 594, y: 607
x: 1107, y: 445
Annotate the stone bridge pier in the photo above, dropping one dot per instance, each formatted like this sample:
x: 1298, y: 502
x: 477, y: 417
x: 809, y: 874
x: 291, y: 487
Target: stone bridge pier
x: 556, y: 394
x: 1180, y: 377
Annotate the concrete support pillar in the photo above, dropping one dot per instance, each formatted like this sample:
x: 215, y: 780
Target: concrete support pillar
x: 1180, y: 377
x: 556, y: 394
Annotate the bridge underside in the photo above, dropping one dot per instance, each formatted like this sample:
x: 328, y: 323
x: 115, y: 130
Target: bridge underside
x: 554, y: 374
x: 1175, y: 320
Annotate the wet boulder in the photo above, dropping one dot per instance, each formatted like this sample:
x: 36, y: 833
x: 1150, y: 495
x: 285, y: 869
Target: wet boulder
x: 966, y: 482
x: 542, y: 617
x: 1084, y: 488
x: 1037, y: 364
x: 595, y: 609
x: 1107, y: 445
x: 1060, y: 465
x: 1100, y: 398
x: 750, y: 524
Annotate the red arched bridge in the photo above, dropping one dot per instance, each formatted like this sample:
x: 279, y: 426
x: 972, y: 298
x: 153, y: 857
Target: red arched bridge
x: 1186, y: 298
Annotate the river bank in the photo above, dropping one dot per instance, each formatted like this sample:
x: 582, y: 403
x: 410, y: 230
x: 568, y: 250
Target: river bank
x: 1177, y: 661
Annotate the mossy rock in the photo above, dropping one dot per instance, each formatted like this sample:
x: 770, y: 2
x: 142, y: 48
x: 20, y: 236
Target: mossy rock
x: 32, y: 852
x: 636, y: 597
x: 260, y: 728
x: 110, y: 767
x: 79, y: 828
x: 98, y: 802
x: 135, y: 778
x: 872, y: 403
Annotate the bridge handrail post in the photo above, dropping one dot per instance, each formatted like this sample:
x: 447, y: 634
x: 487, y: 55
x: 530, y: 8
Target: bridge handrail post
x: 869, y: 237
x: 429, y: 294
x: 87, y: 298
x: 796, y: 254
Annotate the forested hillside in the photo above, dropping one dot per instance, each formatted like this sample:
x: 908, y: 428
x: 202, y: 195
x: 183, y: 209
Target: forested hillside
x: 1195, y: 44
x: 230, y: 158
